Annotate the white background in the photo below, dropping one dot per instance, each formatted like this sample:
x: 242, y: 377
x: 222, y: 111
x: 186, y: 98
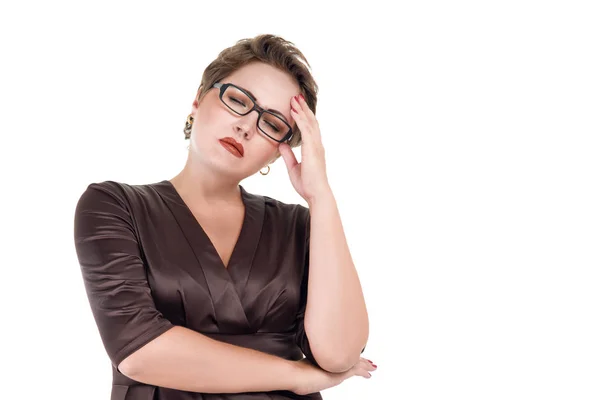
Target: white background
x: 462, y: 144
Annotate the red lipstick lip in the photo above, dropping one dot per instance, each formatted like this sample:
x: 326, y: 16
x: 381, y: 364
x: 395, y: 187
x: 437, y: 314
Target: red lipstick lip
x: 234, y: 143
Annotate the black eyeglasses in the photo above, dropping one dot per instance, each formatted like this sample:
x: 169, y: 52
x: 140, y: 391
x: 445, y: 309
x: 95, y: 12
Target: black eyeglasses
x: 242, y: 103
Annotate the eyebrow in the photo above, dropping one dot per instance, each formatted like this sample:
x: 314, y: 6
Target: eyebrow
x: 268, y: 109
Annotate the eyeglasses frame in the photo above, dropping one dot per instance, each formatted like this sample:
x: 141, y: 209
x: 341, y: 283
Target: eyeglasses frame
x: 223, y: 86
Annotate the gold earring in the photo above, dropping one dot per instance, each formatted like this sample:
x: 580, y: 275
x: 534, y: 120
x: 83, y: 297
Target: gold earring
x: 188, y: 126
x: 268, y: 170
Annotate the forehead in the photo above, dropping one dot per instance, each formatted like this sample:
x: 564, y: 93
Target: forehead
x: 272, y: 87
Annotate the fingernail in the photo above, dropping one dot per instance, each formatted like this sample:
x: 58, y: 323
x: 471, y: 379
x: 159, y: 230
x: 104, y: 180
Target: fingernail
x: 374, y: 365
x: 302, y: 97
x: 294, y: 110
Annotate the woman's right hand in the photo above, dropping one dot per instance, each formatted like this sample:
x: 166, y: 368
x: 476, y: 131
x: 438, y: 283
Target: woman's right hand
x: 311, y: 378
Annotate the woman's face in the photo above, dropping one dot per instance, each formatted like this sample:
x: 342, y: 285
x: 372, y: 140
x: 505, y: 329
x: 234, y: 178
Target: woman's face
x: 213, y: 121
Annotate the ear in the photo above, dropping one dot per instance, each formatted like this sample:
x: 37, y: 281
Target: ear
x: 196, y: 103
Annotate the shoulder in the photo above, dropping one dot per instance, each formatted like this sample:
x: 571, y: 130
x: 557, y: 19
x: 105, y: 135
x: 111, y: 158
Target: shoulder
x: 290, y: 210
x: 119, y: 191
x: 281, y: 211
x: 119, y: 188
x: 113, y: 196
x: 287, y: 218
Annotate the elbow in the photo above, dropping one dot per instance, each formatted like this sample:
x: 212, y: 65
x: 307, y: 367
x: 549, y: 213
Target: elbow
x: 334, y: 358
x: 129, y: 367
x: 337, y: 364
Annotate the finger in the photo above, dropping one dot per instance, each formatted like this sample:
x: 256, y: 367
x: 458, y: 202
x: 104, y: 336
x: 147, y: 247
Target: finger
x: 363, y: 373
x: 311, y: 116
x: 368, y: 365
x: 305, y: 119
x: 298, y: 113
x: 302, y: 110
x: 363, y: 367
x: 359, y: 370
x: 288, y: 156
x: 305, y: 108
x: 306, y: 130
x: 371, y: 364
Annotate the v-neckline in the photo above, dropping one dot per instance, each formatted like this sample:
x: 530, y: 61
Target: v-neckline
x: 208, y: 239
x: 242, y: 255
x: 226, y: 285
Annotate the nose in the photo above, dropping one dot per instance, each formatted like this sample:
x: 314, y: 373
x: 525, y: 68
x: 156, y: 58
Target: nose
x: 246, y: 124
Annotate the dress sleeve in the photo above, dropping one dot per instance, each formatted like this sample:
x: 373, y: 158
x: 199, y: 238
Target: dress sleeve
x: 113, y: 272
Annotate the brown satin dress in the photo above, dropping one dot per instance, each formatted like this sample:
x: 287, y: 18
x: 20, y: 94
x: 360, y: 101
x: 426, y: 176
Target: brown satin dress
x: 148, y: 265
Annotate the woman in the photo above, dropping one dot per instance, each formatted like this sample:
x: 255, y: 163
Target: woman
x: 201, y: 290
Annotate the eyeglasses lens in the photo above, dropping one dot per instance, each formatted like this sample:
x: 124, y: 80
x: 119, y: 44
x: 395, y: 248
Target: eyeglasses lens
x: 269, y: 123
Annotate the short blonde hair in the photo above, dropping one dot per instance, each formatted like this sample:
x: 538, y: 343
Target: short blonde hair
x: 272, y: 50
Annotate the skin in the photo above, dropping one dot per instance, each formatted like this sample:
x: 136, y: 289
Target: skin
x: 336, y: 320
x: 211, y: 172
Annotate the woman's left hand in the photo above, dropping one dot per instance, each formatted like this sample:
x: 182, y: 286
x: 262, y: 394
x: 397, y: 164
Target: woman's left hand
x: 309, y: 177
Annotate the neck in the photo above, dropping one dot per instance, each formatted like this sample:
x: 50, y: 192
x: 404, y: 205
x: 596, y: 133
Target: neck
x: 202, y: 185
